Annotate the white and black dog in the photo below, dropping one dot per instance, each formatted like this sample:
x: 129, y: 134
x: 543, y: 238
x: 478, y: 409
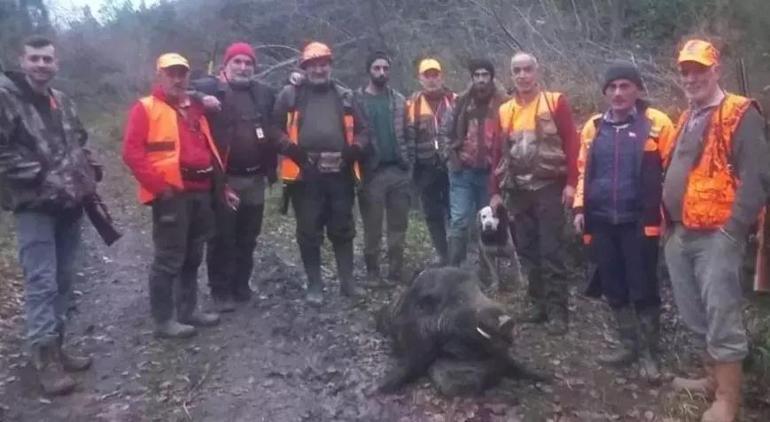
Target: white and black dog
x: 495, y: 244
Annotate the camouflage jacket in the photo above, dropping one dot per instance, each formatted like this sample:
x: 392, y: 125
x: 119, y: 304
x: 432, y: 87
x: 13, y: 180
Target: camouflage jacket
x: 41, y: 169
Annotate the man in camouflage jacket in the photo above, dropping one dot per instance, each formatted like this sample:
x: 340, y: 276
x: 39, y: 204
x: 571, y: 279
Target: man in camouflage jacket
x: 45, y: 178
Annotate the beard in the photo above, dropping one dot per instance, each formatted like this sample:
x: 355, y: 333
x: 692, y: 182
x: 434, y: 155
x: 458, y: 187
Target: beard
x: 482, y: 91
x: 380, y: 82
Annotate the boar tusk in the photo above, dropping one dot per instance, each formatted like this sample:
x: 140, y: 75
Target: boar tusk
x: 483, y: 333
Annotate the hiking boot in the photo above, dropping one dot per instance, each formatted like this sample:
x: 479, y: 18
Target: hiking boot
x: 224, y: 304
x: 535, y: 314
x: 649, y: 337
x: 70, y: 362
x: 50, y: 373
x: 314, y: 294
x: 628, y: 350
x: 174, y: 329
x: 343, y: 254
x: 557, y: 326
x: 200, y: 319
x: 243, y: 294
x: 558, y: 319
x: 728, y: 393
x: 458, y: 249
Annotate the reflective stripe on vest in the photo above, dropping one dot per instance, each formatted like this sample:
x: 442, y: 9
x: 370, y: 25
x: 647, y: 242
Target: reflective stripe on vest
x: 289, y: 169
x: 711, y: 185
x: 162, y: 149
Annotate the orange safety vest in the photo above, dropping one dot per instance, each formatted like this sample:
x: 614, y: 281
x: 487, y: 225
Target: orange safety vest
x: 289, y: 169
x: 163, y: 143
x: 712, y: 184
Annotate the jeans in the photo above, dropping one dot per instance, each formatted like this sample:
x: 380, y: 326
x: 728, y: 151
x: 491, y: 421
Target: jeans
x: 468, y: 193
x: 48, y: 246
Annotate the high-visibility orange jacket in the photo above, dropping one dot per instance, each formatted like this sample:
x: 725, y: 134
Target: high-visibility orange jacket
x: 712, y: 183
x: 163, y: 144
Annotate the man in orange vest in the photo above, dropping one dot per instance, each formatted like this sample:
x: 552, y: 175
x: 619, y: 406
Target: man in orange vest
x: 712, y: 194
x: 426, y: 111
x: 323, y: 118
x: 169, y: 149
x: 535, y: 174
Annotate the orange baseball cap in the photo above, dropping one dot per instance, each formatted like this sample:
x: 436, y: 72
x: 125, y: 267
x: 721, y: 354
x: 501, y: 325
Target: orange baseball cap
x: 429, y: 64
x: 171, y: 59
x: 699, y: 51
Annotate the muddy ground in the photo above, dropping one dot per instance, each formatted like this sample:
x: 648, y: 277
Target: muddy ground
x: 276, y: 359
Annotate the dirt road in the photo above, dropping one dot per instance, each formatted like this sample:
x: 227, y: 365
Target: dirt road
x: 276, y: 359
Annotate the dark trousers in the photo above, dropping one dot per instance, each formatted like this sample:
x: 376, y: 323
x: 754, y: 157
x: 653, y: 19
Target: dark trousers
x: 539, y: 225
x: 386, y: 196
x: 433, y: 185
x: 181, y: 226
x: 326, y: 202
x: 627, y: 263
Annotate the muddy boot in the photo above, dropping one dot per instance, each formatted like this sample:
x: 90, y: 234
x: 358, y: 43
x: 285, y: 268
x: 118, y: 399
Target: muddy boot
x: 173, y: 329
x: 70, y: 362
x: 311, y: 260
x: 198, y: 318
x: 649, y: 337
x: 243, y: 293
x: 223, y: 304
x: 627, y: 352
x: 395, y: 263
x: 372, y: 270
x: 728, y: 393
x: 50, y: 373
x: 706, y: 385
x: 458, y: 249
x: 558, y: 321
x: 343, y: 254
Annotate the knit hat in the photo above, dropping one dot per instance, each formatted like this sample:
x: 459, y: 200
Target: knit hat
x: 622, y: 70
x: 238, y: 48
x: 376, y: 55
x: 486, y: 64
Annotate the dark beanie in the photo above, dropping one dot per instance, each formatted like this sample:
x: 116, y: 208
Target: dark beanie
x: 485, y: 64
x: 375, y: 55
x: 622, y: 70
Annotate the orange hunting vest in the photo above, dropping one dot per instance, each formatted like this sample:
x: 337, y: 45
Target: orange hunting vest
x: 711, y: 186
x: 289, y: 169
x: 163, y: 143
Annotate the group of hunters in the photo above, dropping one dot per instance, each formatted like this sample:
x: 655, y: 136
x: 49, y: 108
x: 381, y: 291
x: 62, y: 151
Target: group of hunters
x: 203, y: 152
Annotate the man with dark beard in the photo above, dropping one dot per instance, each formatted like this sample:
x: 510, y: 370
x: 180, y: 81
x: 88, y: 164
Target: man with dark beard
x: 385, y: 171
x: 467, y: 140
x: 426, y: 111
x: 239, y: 112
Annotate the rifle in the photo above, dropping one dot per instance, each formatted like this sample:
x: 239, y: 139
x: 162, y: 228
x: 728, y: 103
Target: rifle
x: 101, y: 219
x: 761, y: 276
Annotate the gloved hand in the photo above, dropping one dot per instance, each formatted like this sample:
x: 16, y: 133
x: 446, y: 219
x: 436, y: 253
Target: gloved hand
x: 297, y: 154
x: 352, y: 153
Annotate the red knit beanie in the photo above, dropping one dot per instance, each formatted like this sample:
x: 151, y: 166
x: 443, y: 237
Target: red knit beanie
x: 239, y: 48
